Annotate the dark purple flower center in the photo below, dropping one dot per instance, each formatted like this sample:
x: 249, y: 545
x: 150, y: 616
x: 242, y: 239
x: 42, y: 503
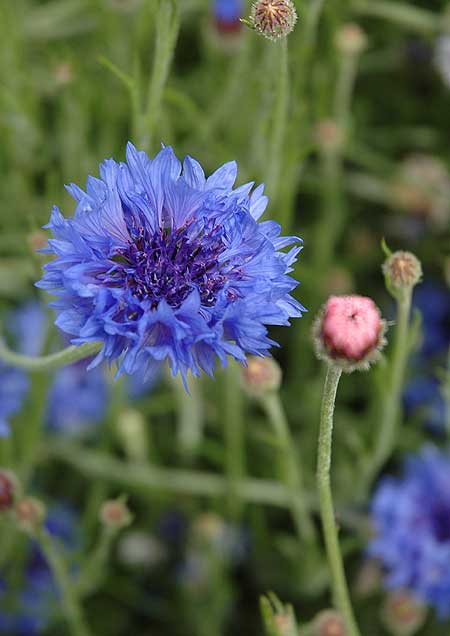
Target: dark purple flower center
x: 441, y: 522
x: 169, y: 265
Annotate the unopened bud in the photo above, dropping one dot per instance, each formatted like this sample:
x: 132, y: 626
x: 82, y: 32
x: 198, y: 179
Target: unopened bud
x: 402, y: 614
x: 402, y: 270
x: 8, y: 489
x: 261, y: 376
x: 279, y: 619
x: 132, y: 433
x: 349, y: 332
x: 30, y: 514
x: 274, y: 19
x: 329, y: 136
x: 351, y: 39
x: 115, y: 514
x: 329, y: 623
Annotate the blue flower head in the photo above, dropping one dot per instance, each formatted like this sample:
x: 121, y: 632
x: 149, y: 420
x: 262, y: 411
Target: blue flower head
x: 159, y: 263
x: 411, y: 519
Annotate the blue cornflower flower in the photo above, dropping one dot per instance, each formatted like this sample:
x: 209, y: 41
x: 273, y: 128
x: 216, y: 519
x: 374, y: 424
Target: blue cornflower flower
x: 411, y: 519
x: 228, y: 11
x: 433, y: 301
x: 159, y: 263
x: 29, y: 611
x: 423, y: 395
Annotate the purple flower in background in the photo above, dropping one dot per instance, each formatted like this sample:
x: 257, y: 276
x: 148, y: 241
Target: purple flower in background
x: 159, y: 263
x: 28, y: 611
x: 411, y: 520
x: 13, y: 391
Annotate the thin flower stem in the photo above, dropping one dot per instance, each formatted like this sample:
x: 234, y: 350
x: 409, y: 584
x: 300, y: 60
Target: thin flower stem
x: 50, y: 362
x: 167, y: 28
x: 95, y: 566
x: 403, y: 14
x: 388, y: 429
x: 69, y: 600
x: 190, y: 416
x: 233, y: 423
x: 290, y: 465
x: 338, y: 582
x: 278, y: 124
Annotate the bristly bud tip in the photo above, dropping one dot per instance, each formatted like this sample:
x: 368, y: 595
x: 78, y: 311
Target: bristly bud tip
x: 351, y: 39
x: 349, y: 332
x: 402, y: 614
x: 30, y: 514
x: 274, y: 19
x: 329, y: 623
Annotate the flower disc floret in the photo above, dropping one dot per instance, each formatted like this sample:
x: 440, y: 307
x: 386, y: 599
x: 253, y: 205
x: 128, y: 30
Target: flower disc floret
x: 159, y: 263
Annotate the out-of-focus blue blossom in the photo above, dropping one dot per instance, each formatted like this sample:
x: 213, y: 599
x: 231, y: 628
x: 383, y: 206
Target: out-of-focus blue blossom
x: 227, y: 15
x: 423, y: 396
x: 159, y: 263
x: 433, y: 301
x: 13, y: 390
x: 77, y: 399
x: 27, y: 612
x: 411, y: 520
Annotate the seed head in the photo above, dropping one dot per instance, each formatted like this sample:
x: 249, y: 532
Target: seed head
x: 274, y: 19
x: 349, y: 332
x: 329, y: 623
x: 261, y: 376
x: 402, y: 270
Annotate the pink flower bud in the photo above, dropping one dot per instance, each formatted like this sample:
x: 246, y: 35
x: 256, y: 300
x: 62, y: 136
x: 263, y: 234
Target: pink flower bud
x: 349, y: 332
x: 329, y: 623
x: 114, y: 514
x: 30, y: 514
x: 7, y: 490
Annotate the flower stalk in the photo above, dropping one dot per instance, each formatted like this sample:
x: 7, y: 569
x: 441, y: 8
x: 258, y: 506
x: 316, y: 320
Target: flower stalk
x: 69, y: 598
x: 338, y: 582
x: 50, y: 362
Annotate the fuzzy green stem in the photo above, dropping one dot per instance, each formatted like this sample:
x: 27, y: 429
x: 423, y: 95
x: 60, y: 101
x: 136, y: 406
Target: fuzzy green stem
x: 278, y: 124
x: 69, y: 600
x: 96, y: 563
x: 167, y: 27
x: 51, y: 362
x: 388, y: 429
x: 338, y: 582
x: 290, y: 465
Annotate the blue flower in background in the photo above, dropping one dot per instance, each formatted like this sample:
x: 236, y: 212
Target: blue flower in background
x: 433, y: 301
x: 423, y: 396
x: 13, y: 391
x: 77, y: 399
x: 228, y: 11
x: 159, y: 263
x: 27, y: 612
x: 411, y: 520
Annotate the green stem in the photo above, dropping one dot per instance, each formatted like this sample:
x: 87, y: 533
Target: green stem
x: 190, y: 416
x: 151, y: 479
x: 388, y: 429
x: 51, y: 362
x: 290, y: 465
x: 339, y: 585
x: 95, y: 567
x: 167, y: 27
x: 234, y: 436
x: 278, y: 125
x: 403, y: 14
x: 69, y: 599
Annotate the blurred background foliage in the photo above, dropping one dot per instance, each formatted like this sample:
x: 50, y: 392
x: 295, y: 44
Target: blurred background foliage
x: 356, y: 152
